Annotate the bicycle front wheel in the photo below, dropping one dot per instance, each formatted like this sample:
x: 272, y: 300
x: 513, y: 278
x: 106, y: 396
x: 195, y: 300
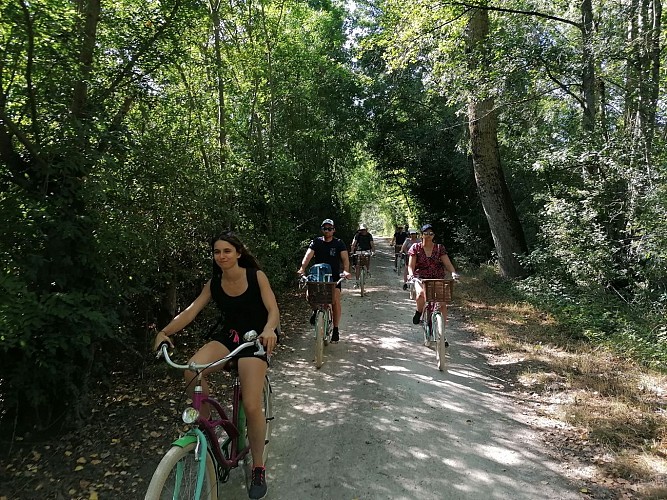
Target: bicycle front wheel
x: 440, y: 340
x: 362, y: 281
x: 320, y: 330
x: 176, y: 476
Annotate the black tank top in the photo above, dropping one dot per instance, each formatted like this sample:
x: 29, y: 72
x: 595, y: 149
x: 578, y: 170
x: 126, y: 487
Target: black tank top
x: 241, y: 314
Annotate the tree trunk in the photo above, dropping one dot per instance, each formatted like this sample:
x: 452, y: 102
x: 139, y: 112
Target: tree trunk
x: 588, y: 63
x: 497, y: 203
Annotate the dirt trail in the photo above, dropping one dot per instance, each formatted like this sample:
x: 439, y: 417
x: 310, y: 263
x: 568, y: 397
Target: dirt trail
x: 379, y: 421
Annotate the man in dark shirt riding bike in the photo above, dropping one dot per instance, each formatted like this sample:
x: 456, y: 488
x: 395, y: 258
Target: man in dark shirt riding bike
x: 329, y: 250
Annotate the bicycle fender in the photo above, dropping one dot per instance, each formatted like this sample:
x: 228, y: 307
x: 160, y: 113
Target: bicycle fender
x: 192, y: 437
x: 183, y: 441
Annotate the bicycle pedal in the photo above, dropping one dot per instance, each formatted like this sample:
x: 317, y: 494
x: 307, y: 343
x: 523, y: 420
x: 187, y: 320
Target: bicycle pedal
x: 223, y: 474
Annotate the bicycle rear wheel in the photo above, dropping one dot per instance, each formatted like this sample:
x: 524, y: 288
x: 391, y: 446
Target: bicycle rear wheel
x: 320, y: 330
x: 176, y: 476
x: 440, y: 340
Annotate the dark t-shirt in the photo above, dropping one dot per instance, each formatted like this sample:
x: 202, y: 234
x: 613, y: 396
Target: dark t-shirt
x: 363, y: 241
x: 400, y: 238
x: 328, y: 253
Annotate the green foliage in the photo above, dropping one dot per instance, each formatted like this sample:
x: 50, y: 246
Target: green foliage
x: 117, y: 174
x: 591, y: 313
x: 48, y: 349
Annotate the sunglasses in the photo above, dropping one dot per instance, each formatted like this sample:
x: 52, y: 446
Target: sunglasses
x: 327, y: 229
x: 428, y: 233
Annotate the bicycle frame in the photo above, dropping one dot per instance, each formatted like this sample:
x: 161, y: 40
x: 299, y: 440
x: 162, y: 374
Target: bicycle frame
x: 205, y: 427
x: 397, y: 258
x: 326, y: 311
x: 430, y: 308
x: 432, y: 315
x: 363, y: 259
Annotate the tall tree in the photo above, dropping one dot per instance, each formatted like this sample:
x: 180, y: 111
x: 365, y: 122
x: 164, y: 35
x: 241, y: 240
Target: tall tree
x: 498, y: 206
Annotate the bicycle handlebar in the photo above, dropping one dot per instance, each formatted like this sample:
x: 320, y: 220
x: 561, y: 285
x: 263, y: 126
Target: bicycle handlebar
x: 455, y: 277
x: 251, y: 338
x: 304, y: 279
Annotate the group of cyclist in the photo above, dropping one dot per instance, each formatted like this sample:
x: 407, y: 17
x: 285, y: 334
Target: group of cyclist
x: 245, y: 301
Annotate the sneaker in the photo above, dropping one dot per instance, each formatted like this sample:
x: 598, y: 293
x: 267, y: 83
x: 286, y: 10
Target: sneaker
x: 405, y: 286
x: 258, y: 486
x: 312, y: 318
x: 356, y: 284
x: 416, y: 318
x: 334, y: 335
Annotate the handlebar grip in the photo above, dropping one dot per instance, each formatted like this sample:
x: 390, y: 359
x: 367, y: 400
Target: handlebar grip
x: 160, y: 351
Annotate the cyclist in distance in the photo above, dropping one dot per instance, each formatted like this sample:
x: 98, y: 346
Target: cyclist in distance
x: 428, y: 260
x: 397, y: 242
x: 414, y: 238
x: 363, y: 241
x: 329, y: 250
x: 246, y: 302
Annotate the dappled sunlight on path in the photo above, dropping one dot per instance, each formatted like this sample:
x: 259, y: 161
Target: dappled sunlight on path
x: 379, y: 420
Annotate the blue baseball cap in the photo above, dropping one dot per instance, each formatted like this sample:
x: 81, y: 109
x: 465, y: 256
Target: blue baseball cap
x: 426, y: 227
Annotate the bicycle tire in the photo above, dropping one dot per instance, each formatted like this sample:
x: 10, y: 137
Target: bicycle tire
x: 440, y: 340
x: 328, y: 326
x: 320, y: 329
x: 362, y: 281
x: 167, y: 477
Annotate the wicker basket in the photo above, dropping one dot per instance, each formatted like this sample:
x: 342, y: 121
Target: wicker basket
x: 438, y: 290
x: 362, y: 259
x: 320, y: 292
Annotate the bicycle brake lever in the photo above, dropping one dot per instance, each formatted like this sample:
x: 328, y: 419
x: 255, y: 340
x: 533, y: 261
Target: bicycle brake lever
x: 260, y: 349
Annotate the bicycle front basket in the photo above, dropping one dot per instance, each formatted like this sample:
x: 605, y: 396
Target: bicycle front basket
x: 320, y: 292
x: 438, y: 290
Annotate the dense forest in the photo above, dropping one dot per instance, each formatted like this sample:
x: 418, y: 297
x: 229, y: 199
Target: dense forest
x: 530, y: 133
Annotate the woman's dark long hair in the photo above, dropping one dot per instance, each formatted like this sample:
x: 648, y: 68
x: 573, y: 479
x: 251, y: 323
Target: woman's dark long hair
x: 245, y: 260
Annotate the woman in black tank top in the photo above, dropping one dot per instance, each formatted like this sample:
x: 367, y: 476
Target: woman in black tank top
x: 246, y: 302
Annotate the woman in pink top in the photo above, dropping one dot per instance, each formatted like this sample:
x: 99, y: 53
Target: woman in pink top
x: 428, y: 260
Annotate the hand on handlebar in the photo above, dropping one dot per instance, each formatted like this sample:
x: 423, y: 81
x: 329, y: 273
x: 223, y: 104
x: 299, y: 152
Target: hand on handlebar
x: 268, y: 338
x: 455, y: 276
x: 161, y: 338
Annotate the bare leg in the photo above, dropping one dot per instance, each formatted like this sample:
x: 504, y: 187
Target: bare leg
x: 210, y: 352
x: 251, y: 374
x: 336, y: 307
x: 421, y: 297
